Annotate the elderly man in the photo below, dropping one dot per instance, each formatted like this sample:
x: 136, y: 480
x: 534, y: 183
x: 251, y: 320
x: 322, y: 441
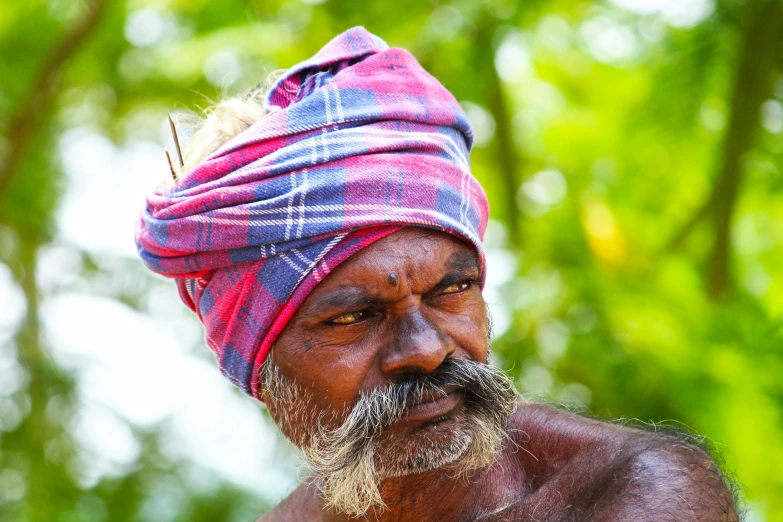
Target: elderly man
x: 328, y: 235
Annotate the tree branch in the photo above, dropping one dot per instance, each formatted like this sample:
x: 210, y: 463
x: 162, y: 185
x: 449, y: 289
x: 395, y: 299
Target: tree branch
x: 704, y: 212
x: 755, y: 69
x: 753, y: 75
x: 25, y: 120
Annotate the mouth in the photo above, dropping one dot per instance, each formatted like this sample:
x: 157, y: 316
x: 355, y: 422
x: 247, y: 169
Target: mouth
x: 434, y: 405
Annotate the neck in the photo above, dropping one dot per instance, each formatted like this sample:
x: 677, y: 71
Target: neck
x: 417, y: 494
x: 439, y: 494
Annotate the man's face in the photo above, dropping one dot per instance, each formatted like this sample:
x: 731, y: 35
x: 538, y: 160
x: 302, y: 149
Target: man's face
x: 384, y: 360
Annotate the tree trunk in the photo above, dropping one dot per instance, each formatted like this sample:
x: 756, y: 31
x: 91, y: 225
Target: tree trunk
x: 506, y: 153
x: 754, y: 74
x: 42, y: 92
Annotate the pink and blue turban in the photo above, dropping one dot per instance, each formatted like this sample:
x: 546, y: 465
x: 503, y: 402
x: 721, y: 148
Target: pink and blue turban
x: 359, y: 141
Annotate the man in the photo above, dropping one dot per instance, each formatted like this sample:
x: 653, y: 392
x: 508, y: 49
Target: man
x: 330, y: 242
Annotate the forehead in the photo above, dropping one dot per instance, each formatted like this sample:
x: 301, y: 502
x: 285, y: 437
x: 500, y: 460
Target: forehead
x: 418, y: 254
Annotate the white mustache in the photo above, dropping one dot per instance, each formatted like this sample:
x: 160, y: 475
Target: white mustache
x: 343, y: 459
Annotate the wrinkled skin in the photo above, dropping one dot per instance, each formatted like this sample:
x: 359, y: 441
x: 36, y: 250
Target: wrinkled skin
x: 405, y: 304
x: 402, y: 305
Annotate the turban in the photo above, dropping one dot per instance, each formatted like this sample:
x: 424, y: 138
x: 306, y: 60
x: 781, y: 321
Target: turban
x: 358, y: 142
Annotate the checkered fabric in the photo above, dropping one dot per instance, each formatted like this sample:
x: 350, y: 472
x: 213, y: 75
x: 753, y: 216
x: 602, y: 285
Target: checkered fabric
x: 358, y: 142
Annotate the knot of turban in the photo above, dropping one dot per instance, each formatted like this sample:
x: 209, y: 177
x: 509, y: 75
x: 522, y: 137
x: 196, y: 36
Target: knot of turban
x: 358, y: 142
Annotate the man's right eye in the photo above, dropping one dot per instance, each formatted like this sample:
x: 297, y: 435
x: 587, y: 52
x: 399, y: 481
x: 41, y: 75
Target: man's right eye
x: 350, y: 318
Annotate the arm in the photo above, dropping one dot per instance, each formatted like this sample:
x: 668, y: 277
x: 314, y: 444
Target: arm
x: 579, y: 469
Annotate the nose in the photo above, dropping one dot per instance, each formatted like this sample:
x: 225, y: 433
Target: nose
x: 418, y: 345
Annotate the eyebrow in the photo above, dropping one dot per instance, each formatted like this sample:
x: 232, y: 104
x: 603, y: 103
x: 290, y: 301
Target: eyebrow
x: 458, y: 266
x: 342, y: 299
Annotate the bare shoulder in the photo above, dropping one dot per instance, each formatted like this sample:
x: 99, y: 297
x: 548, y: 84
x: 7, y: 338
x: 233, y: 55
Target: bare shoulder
x: 582, y: 469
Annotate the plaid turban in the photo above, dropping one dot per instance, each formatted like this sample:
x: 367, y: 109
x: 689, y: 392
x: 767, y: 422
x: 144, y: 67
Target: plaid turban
x: 358, y: 142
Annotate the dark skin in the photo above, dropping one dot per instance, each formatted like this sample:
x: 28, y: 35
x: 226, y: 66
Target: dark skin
x: 405, y: 304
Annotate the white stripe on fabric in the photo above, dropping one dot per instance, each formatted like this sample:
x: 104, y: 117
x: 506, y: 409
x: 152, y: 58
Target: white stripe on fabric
x: 468, y: 197
x: 325, y: 208
x: 290, y: 208
x: 301, y: 256
x: 302, y: 206
x: 327, y: 107
x: 314, y: 146
x: 291, y: 263
x: 320, y: 256
x: 325, y: 145
x: 368, y: 218
x: 463, y: 204
x: 377, y: 137
x: 381, y: 212
x: 339, y: 105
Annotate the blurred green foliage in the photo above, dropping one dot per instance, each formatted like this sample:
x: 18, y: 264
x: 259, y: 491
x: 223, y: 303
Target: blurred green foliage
x: 632, y: 157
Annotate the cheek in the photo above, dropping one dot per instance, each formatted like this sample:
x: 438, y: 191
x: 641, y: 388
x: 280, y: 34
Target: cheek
x: 468, y: 327
x: 333, y: 373
x: 342, y: 371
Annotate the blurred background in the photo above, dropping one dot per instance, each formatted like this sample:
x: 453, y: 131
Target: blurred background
x: 632, y: 153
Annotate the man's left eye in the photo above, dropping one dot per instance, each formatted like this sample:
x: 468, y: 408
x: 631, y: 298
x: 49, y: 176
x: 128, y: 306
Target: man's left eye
x: 457, y: 287
x: 350, y: 318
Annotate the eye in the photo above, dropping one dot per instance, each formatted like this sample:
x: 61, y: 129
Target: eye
x: 458, y: 287
x: 350, y: 318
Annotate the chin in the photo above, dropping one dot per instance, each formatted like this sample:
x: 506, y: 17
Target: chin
x: 438, y: 443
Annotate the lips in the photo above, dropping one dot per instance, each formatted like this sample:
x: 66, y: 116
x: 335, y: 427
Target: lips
x: 434, y: 404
